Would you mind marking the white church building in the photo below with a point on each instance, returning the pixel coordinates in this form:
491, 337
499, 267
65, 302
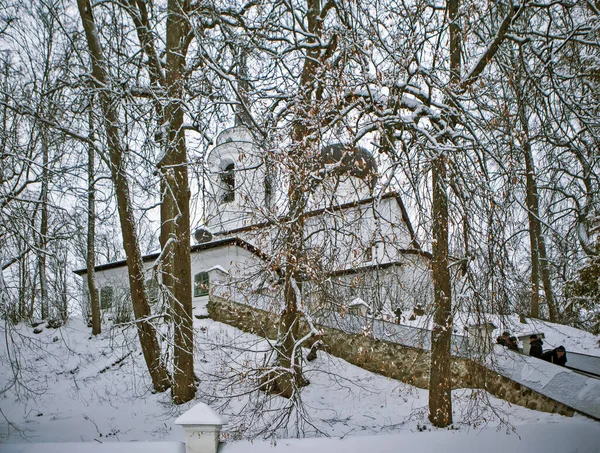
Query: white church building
363, 246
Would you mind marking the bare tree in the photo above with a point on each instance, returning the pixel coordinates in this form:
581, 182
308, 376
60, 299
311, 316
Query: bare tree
139, 296
91, 234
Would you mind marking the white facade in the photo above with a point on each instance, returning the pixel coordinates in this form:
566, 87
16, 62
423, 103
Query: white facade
363, 247
223, 261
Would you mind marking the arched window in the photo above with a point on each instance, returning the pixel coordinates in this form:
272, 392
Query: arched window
268, 191
201, 284
228, 179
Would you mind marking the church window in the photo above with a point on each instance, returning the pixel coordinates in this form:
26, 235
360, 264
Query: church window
228, 179
201, 284
152, 286
268, 192
368, 254
107, 295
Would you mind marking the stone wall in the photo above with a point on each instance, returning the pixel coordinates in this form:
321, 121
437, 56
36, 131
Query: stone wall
406, 364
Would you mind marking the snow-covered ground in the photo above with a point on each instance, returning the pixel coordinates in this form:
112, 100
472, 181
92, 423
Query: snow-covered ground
72, 387
574, 340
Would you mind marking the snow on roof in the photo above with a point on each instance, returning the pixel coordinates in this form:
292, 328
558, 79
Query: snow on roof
358, 301
226, 242
218, 268
201, 415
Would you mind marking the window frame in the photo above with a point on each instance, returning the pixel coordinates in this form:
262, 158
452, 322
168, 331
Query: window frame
228, 180
201, 278
153, 290
107, 292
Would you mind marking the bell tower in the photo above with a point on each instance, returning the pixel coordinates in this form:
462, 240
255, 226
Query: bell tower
239, 187
236, 181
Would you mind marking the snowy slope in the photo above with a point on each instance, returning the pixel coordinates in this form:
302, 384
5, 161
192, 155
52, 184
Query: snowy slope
73, 387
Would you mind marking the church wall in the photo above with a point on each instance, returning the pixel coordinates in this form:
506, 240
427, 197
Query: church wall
231, 263
357, 236
239, 263
403, 286
339, 190
115, 295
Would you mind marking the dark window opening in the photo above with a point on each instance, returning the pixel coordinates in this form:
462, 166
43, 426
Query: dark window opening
152, 286
201, 284
268, 192
368, 255
228, 179
107, 295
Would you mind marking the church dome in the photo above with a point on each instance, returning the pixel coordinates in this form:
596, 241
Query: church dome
339, 159
202, 235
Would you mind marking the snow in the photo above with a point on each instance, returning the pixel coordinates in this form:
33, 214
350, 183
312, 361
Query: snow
80, 388
578, 391
218, 268
94, 447
558, 438
532, 439
200, 414
588, 363
574, 340
358, 302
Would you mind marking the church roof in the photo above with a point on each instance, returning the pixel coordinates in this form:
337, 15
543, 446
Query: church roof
194, 248
339, 159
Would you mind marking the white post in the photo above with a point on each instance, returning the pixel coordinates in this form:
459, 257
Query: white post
202, 427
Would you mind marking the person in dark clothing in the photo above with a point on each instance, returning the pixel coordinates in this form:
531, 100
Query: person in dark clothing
535, 348
398, 313
503, 339
557, 356
506, 340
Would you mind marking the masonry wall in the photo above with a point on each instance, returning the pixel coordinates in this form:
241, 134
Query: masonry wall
406, 364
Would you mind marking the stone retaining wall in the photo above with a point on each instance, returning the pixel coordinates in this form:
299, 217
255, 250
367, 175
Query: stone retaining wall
404, 363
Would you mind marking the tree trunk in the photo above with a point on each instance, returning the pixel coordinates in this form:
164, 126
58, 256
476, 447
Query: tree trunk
289, 357
43, 243
531, 201
539, 261
175, 222
177, 198
23, 309
440, 385
108, 103
167, 231
61, 283
545, 271
91, 237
